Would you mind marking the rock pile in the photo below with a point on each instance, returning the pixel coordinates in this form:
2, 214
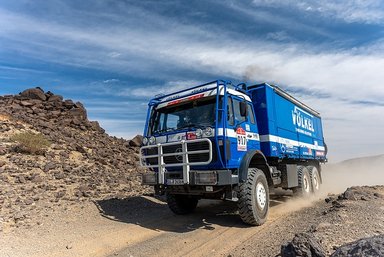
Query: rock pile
369, 247
47, 111
353, 214
82, 163
303, 244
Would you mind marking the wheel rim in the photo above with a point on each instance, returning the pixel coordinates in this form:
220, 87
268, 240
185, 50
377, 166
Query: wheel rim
306, 184
315, 178
261, 195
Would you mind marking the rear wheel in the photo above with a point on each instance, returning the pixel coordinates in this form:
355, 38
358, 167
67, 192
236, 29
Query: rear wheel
254, 198
305, 186
181, 204
315, 179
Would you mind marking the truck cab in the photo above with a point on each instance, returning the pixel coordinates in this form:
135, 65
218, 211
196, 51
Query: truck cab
204, 142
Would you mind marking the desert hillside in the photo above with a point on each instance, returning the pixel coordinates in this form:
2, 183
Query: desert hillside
51, 154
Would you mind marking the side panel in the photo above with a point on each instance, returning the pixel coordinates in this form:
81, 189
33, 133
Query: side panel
286, 129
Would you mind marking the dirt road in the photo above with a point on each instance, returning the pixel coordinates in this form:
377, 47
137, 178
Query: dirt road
215, 229
139, 226
144, 226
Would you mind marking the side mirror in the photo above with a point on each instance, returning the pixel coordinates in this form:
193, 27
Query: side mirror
243, 109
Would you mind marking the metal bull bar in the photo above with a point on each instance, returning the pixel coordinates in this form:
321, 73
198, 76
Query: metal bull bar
186, 163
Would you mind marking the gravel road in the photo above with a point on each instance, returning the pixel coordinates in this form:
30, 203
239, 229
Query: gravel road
143, 226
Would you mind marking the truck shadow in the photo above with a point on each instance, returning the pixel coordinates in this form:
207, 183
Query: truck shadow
153, 213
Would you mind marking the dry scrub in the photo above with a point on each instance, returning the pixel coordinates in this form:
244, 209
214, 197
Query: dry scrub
30, 143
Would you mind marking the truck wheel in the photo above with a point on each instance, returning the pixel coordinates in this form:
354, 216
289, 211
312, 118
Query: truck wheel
181, 204
254, 198
315, 179
305, 186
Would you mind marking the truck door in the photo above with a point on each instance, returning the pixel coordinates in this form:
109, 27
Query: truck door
241, 130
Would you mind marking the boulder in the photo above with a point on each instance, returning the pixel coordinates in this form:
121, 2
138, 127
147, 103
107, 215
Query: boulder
55, 98
34, 93
136, 141
303, 244
68, 104
78, 112
369, 247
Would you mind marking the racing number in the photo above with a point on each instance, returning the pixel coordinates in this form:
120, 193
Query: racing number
241, 139
241, 142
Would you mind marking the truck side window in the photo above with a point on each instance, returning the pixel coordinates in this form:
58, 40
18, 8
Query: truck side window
251, 115
236, 109
231, 120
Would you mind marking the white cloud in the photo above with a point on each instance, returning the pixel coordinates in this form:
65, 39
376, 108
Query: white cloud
347, 75
168, 87
279, 36
110, 81
122, 128
365, 11
114, 54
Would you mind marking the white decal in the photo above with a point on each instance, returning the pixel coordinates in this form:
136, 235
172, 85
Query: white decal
289, 142
303, 121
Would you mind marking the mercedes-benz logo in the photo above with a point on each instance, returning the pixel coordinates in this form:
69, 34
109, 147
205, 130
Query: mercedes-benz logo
179, 157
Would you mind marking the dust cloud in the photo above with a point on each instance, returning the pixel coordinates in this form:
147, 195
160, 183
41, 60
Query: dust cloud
367, 171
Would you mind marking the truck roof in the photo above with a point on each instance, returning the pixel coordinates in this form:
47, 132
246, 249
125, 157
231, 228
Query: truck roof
236, 90
207, 89
286, 95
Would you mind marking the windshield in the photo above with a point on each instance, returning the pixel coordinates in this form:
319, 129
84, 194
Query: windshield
192, 114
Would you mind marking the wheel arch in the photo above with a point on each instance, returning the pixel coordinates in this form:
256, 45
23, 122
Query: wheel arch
254, 159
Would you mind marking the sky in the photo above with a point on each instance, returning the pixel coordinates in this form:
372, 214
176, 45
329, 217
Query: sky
113, 56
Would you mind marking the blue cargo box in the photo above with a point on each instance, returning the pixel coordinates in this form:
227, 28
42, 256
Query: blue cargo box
287, 127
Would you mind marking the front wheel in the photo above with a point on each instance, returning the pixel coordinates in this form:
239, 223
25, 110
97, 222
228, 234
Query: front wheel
254, 198
181, 204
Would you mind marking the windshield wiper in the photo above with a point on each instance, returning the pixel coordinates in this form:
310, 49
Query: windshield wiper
192, 126
164, 130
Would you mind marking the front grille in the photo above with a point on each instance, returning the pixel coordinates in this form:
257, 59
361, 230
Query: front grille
173, 152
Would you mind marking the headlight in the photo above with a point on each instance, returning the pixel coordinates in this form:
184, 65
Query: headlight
152, 140
199, 132
145, 141
208, 132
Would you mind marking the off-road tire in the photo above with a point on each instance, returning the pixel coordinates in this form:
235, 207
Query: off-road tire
315, 179
305, 185
253, 198
181, 204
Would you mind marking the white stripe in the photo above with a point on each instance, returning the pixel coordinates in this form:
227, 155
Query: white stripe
286, 141
232, 133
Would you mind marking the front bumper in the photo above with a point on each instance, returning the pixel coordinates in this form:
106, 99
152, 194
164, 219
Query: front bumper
196, 177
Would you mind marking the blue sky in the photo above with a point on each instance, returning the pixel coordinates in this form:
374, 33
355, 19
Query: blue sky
114, 55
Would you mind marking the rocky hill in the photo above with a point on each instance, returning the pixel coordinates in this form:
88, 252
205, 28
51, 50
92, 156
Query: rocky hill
77, 162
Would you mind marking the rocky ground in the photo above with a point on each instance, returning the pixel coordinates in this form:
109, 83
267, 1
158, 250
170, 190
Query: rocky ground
357, 213
82, 162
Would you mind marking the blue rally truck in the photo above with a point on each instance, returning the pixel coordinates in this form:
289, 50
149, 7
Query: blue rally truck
220, 141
